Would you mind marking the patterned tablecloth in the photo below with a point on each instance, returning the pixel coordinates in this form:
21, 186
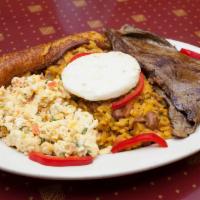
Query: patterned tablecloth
24, 23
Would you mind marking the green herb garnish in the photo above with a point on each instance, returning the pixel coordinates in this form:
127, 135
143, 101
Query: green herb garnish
42, 140
62, 154
84, 131
53, 119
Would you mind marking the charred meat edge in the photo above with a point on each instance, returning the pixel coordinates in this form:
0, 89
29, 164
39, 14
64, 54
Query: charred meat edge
176, 75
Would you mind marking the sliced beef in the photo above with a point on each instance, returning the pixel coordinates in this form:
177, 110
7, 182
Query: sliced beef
177, 75
151, 120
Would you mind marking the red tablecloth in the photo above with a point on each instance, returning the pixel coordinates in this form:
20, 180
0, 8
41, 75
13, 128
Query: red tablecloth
26, 23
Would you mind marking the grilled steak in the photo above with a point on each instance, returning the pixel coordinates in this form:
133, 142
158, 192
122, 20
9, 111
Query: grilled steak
175, 76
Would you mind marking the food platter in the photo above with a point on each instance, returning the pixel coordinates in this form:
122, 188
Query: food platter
110, 165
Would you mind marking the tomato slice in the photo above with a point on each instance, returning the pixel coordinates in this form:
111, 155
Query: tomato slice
130, 96
52, 84
143, 137
191, 54
59, 161
78, 55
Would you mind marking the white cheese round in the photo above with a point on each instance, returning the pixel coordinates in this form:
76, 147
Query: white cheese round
101, 76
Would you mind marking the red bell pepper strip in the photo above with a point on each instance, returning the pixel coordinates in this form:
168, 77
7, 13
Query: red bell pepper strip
52, 84
129, 97
59, 161
79, 55
190, 53
143, 137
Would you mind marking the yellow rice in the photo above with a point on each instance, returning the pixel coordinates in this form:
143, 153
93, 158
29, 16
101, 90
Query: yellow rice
111, 130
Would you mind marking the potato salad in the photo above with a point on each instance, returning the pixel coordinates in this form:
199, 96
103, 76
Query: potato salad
36, 115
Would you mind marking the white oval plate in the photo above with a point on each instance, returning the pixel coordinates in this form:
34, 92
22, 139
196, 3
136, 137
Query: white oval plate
109, 165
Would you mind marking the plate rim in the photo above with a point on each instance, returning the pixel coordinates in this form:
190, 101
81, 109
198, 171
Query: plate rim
178, 45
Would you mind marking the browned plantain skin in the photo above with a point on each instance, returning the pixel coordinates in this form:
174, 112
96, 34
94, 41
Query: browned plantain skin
37, 58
